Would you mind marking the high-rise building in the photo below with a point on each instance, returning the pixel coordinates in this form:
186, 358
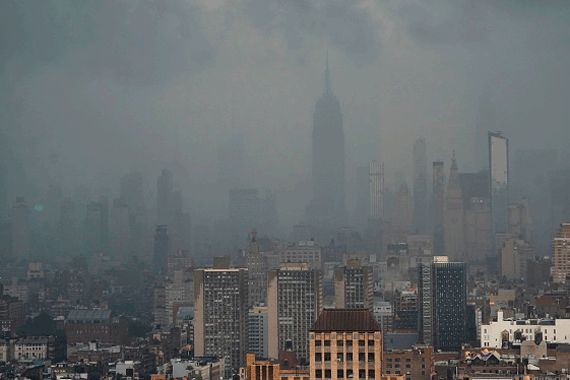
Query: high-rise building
119, 231
244, 209
514, 255
161, 248
345, 344
220, 314
257, 327
96, 227
438, 207
327, 209
376, 181
164, 197
405, 310
561, 254
420, 186
442, 301
354, 286
453, 214
404, 209
20, 229
294, 300
499, 180
257, 272
302, 252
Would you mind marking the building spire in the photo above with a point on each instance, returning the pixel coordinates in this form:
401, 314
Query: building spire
327, 75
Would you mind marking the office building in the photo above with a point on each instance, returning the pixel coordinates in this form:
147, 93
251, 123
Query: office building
294, 300
499, 180
302, 252
453, 214
438, 183
344, 344
353, 284
420, 186
327, 209
376, 180
561, 254
161, 248
257, 326
442, 300
414, 363
220, 314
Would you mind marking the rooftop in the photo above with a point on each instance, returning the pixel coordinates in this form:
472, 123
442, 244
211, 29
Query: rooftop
360, 320
88, 315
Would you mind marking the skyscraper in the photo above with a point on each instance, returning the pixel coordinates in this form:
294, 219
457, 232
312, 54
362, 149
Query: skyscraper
442, 299
420, 186
353, 286
257, 272
454, 236
376, 180
561, 254
499, 180
327, 208
438, 202
220, 314
294, 300
161, 248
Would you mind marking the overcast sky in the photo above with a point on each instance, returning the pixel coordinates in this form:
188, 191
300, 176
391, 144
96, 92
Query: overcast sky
92, 89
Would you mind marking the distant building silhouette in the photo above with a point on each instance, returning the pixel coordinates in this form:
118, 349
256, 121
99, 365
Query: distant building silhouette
420, 186
327, 209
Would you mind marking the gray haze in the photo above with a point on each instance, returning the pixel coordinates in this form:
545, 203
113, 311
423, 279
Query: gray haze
90, 90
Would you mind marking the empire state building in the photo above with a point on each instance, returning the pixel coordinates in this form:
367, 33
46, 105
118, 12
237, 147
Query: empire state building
327, 211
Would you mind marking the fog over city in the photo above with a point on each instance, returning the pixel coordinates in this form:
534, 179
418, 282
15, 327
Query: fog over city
284, 189
94, 89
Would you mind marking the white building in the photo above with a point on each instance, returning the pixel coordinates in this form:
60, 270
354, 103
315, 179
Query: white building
302, 252
31, 348
496, 333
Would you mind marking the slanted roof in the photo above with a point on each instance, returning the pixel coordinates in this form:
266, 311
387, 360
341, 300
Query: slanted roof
357, 320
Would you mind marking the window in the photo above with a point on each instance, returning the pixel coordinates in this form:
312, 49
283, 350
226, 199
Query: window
370, 343
361, 343
361, 356
318, 357
349, 356
370, 356
362, 374
371, 374
317, 343
327, 343
327, 356
340, 343
327, 373
339, 357
339, 373
349, 343
318, 373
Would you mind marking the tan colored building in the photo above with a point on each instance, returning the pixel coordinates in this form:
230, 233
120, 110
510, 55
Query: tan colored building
345, 343
269, 370
514, 255
412, 364
561, 254
453, 216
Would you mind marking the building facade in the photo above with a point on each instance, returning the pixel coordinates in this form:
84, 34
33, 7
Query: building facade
345, 343
561, 254
354, 286
294, 300
442, 295
220, 314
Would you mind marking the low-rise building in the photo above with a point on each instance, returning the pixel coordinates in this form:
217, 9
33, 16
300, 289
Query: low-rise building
413, 364
509, 331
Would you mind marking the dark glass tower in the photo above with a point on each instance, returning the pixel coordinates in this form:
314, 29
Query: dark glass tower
327, 208
442, 302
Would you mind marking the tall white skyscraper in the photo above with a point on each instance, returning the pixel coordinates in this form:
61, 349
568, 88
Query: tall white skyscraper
376, 179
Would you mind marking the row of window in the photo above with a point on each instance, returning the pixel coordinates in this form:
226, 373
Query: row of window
342, 375
340, 343
340, 357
